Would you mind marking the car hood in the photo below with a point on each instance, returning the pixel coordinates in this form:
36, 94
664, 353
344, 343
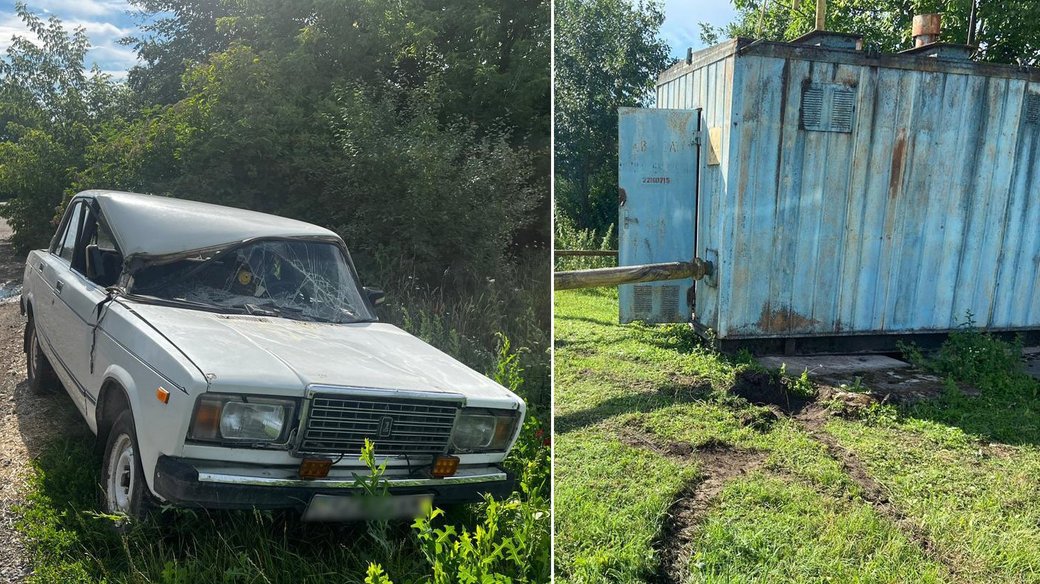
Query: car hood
278, 356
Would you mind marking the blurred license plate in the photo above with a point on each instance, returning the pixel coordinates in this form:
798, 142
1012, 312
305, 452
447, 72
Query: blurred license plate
363, 508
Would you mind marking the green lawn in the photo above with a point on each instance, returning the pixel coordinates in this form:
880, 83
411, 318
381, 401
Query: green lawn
635, 405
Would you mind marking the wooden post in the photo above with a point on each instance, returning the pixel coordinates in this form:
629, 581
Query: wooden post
696, 269
821, 14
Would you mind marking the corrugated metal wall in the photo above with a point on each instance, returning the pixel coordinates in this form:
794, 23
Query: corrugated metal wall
709, 88
927, 209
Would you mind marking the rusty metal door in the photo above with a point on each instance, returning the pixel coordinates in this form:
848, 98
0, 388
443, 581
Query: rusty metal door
657, 178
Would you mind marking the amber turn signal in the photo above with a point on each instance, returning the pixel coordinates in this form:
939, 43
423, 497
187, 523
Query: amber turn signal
163, 395
315, 468
445, 466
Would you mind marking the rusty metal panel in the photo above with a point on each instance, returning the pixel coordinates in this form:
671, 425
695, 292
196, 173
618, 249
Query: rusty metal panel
657, 171
709, 88
916, 204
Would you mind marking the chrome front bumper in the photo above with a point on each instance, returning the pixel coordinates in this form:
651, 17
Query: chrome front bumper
181, 482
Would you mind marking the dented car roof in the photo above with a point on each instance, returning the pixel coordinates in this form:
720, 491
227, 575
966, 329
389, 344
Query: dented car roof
152, 225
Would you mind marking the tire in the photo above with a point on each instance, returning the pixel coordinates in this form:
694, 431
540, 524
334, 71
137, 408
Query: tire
123, 487
42, 378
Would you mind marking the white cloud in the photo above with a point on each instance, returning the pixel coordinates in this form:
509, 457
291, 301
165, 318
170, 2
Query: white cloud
100, 20
97, 30
113, 55
77, 7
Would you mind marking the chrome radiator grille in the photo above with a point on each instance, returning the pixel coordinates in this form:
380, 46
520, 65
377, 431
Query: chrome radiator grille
340, 424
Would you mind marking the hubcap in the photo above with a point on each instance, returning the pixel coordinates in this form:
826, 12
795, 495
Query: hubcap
121, 475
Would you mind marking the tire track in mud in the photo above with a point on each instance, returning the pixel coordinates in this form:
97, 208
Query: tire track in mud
812, 420
718, 463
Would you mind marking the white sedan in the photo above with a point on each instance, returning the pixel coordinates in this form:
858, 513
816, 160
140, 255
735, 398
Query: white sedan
230, 359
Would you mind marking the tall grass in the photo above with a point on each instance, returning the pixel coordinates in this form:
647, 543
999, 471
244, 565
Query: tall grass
567, 236
468, 321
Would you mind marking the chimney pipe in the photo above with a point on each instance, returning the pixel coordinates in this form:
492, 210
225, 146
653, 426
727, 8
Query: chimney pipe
821, 14
926, 29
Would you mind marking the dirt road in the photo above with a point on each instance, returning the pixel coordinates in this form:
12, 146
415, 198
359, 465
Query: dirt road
27, 420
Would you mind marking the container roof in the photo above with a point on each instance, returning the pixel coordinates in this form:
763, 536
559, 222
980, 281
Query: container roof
151, 225
825, 46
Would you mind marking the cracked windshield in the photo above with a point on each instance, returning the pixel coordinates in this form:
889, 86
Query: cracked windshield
305, 280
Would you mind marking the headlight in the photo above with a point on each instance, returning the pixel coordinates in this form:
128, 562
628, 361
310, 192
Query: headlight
479, 430
238, 418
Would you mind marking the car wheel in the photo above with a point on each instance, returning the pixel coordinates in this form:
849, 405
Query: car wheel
42, 378
124, 491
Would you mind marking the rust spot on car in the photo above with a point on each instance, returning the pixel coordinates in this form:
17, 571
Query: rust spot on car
782, 319
898, 162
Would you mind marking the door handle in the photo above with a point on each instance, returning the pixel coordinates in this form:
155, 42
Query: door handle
58, 286
41, 266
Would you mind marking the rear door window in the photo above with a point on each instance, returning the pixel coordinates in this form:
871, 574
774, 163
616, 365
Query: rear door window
67, 244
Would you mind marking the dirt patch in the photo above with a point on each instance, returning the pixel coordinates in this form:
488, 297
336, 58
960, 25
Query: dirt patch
30, 421
900, 386
718, 463
812, 419
765, 389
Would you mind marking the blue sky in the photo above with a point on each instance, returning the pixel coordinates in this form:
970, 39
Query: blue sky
105, 22
680, 28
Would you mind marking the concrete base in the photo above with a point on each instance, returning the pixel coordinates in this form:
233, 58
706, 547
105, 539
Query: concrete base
1031, 355
832, 364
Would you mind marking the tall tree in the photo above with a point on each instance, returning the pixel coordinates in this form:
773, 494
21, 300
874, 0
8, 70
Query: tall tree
608, 54
51, 108
1008, 31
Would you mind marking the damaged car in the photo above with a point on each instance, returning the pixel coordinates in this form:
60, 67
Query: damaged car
227, 358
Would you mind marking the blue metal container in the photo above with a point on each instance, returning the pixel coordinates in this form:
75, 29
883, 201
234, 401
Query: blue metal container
844, 193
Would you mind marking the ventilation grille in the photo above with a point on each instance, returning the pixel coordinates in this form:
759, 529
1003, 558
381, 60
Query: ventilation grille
658, 303
337, 424
1032, 108
644, 301
828, 107
670, 301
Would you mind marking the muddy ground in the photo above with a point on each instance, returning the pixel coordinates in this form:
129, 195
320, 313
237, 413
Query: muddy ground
27, 421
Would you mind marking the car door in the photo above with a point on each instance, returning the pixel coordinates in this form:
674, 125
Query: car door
81, 298
55, 321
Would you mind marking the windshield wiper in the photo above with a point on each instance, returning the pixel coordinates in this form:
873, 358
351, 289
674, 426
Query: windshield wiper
191, 303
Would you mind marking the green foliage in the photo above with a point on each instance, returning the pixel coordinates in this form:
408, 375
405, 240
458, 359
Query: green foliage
1006, 33
567, 236
510, 545
376, 575
50, 110
800, 386
608, 55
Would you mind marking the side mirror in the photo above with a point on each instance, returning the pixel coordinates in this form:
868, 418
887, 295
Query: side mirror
95, 263
376, 296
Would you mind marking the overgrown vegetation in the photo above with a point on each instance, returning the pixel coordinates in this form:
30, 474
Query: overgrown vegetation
647, 416
1005, 33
